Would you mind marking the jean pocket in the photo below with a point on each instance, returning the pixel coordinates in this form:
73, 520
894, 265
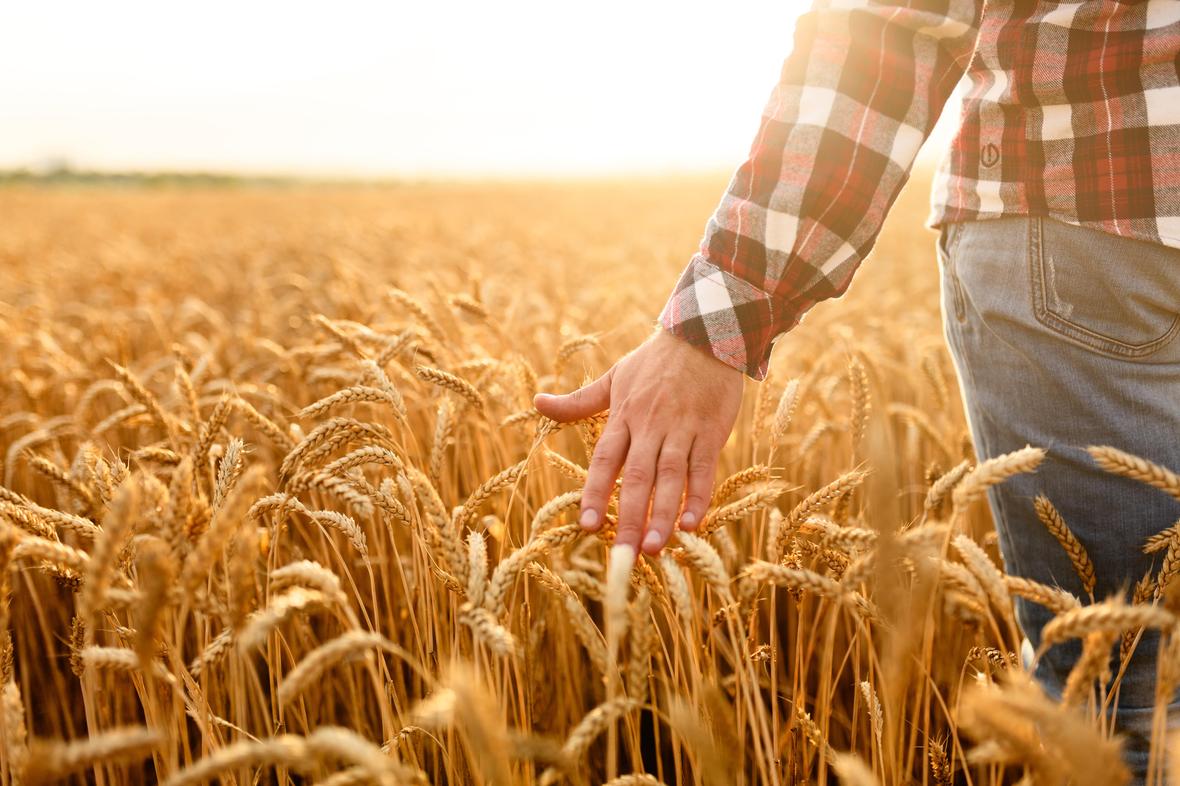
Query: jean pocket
1116, 296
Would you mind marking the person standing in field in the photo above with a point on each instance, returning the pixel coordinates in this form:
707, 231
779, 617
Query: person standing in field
1058, 206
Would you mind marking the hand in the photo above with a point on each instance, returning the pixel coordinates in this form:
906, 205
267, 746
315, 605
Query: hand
672, 408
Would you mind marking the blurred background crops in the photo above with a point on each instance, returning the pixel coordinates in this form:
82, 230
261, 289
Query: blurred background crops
275, 507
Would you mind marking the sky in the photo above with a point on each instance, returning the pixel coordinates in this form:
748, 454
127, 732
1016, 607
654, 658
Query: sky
415, 88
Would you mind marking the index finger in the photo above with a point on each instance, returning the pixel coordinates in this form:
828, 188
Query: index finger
608, 456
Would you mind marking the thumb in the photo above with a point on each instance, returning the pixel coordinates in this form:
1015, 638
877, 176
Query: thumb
581, 403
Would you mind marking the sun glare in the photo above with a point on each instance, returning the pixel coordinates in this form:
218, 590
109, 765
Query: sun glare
525, 87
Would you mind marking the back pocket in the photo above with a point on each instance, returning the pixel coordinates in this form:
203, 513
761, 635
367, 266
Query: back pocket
1114, 295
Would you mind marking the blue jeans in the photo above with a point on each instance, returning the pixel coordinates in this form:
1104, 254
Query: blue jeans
1065, 337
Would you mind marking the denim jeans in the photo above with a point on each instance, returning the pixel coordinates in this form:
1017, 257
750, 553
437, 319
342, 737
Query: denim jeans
1065, 337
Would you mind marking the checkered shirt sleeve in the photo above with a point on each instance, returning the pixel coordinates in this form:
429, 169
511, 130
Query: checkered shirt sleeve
858, 95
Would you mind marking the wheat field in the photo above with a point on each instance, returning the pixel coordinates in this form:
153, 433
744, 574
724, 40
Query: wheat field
276, 508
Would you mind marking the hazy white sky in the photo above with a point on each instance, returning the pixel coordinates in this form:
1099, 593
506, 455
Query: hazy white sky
408, 87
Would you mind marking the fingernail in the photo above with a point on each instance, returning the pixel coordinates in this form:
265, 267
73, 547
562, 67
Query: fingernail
688, 520
652, 540
589, 518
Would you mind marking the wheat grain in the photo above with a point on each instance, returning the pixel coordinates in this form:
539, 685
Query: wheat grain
814, 502
59, 476
876, 716
940, 765
1094, 664
1135, 467
415, 307
52, 760
980, 564
280, 608
995, 470
15, 737
498, 638
149, 401
101, 567
52, 552
594, 723
1053, 598
735, 511
551, 510
944, 485
1109, 616
859, 384
477, 567
325, 657
707, 562
448, 381
357, 394
269, 429
784, 413
481, 495
1061, 532
635, 779
229, 470
757, 473
327, 437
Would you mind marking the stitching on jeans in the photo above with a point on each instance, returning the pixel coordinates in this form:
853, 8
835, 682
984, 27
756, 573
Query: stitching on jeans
953, 233
1091, 339
981, 438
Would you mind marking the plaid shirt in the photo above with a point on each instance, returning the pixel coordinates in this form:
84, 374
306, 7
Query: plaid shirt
1072, 111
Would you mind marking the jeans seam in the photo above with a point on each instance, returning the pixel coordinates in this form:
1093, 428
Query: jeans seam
954, 234
981, 441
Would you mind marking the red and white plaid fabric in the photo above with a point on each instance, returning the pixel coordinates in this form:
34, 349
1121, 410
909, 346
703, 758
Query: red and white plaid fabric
1072, 111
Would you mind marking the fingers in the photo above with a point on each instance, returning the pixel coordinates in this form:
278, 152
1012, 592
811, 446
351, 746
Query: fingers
702, 468
608, 457
635, 494
671, 468
581, 403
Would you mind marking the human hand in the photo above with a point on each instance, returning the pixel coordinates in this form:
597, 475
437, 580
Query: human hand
672, 407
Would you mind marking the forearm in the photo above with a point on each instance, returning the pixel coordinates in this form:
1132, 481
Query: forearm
860, 92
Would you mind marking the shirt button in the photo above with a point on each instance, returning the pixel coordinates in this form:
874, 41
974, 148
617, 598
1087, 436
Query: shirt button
989, 155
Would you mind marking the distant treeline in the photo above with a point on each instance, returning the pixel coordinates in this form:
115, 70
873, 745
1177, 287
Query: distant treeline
69, 176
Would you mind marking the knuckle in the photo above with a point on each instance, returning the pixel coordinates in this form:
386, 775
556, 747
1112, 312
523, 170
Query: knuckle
601, 457
636, 475
597, 485
592, 493
664, 504
661, 517
605, 452
669, 470
629, 531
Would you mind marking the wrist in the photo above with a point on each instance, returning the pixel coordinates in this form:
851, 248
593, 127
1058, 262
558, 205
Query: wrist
696, 356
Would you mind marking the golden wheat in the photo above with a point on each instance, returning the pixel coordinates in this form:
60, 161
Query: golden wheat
274, 490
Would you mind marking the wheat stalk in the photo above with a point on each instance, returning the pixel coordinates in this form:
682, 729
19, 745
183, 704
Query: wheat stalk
326, 656
51, 760
448, 381
1109, 616
1128, 465
995, 470
1057, 527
